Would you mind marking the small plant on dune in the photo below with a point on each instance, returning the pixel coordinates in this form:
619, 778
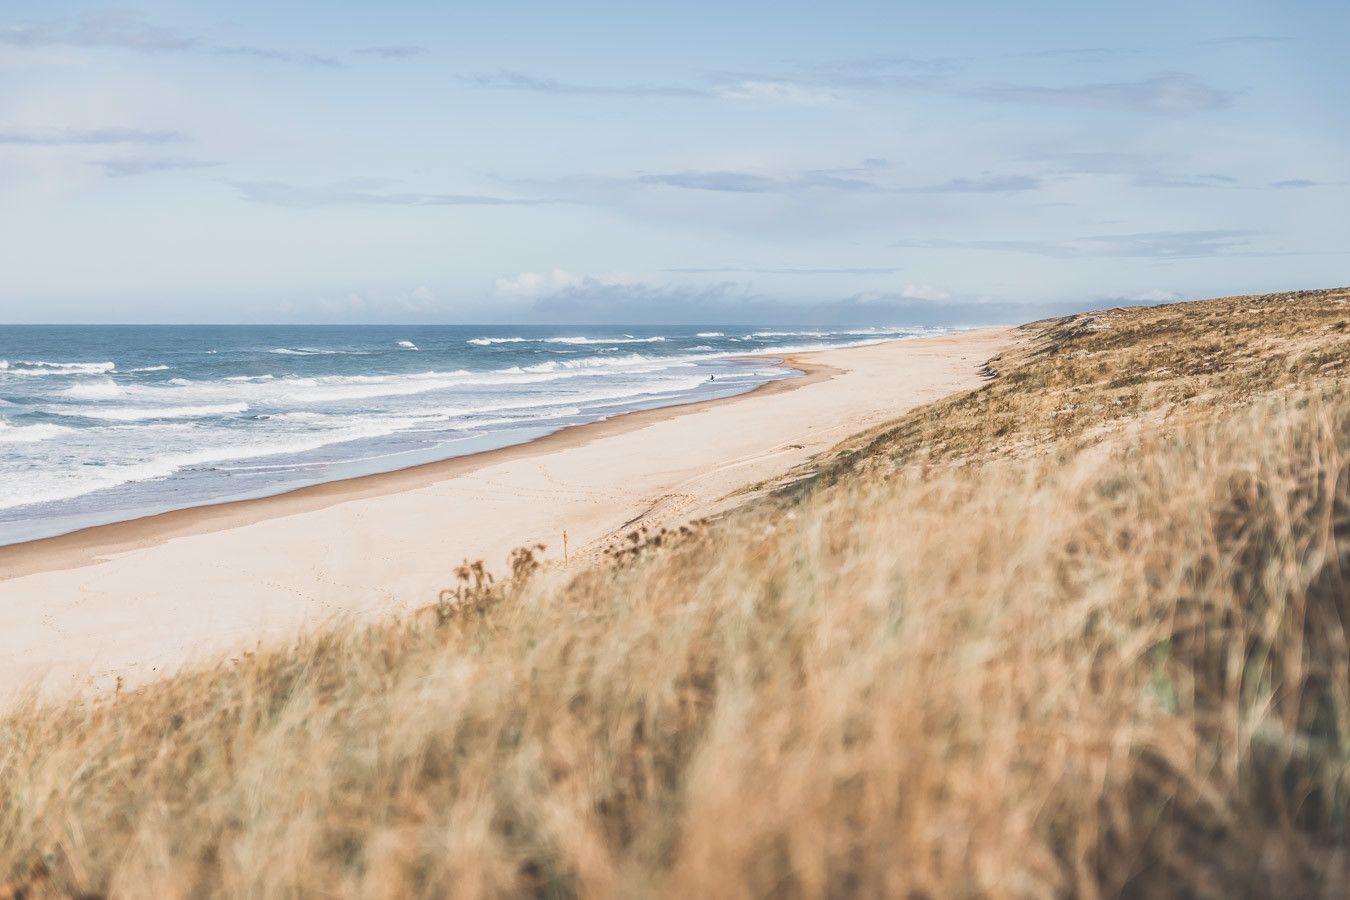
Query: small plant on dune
476, 591
471, 595
641, 542
524, 562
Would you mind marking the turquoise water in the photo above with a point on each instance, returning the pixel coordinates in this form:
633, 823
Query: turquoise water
106, 423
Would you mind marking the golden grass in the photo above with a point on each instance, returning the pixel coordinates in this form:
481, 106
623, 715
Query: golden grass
1080, 633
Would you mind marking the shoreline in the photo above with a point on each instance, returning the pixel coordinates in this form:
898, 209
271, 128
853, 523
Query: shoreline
85, 546
130, 602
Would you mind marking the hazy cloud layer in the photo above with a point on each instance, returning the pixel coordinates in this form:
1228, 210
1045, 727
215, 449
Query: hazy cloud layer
983, 184
518, 81
1164, 94
128, 31
751, 183
734, 303
107, 29
732, 270
1155, 245
883, 71
1140, 170
1300, 183
826, 82
866, 180
1169, 94
1203, 180
265, 53
90, 137
124, 168
397, 51
358, 193
814, 84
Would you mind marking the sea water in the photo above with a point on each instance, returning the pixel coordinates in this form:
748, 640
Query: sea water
106, 423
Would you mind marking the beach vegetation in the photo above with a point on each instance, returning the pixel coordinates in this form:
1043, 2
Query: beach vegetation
1080, 632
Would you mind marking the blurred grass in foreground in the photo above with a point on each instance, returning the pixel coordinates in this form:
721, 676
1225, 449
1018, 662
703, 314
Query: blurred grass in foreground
1079, 633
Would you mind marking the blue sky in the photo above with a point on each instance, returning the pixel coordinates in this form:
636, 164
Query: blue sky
710, 162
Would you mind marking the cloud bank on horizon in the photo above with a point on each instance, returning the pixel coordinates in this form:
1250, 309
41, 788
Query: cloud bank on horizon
599, 162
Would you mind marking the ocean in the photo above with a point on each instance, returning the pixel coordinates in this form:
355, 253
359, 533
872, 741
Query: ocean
107, 423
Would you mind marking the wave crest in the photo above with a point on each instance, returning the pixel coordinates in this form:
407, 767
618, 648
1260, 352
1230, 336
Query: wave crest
41, 367
140, 414
30, 434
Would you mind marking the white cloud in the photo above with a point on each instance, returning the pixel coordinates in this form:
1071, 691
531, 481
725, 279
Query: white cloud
419, 298
1156, 296
350, 304
924, 292
531, 285
777, 91
536, 284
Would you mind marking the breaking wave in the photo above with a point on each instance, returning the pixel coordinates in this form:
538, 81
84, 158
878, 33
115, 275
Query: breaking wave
139, 414
38, 367
30, 434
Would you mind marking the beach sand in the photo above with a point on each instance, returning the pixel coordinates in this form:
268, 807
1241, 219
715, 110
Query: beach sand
137, 600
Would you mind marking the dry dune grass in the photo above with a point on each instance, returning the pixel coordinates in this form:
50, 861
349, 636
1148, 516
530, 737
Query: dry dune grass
1081, 378
996, 649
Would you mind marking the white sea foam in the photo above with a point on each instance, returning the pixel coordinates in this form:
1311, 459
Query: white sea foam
543, 405
306, 391
39, 367
317, 351
103, 389
596, 362
30, 434
628, 364
151, 369
303, 417
234, 393
138, 414
579, 340
708, 334
53, 485
626, 339
555, 412
49, 486
407, 345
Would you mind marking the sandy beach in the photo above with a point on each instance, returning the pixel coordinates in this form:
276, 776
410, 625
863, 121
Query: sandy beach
139, 599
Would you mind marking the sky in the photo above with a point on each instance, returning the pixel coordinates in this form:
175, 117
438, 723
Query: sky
663, 163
